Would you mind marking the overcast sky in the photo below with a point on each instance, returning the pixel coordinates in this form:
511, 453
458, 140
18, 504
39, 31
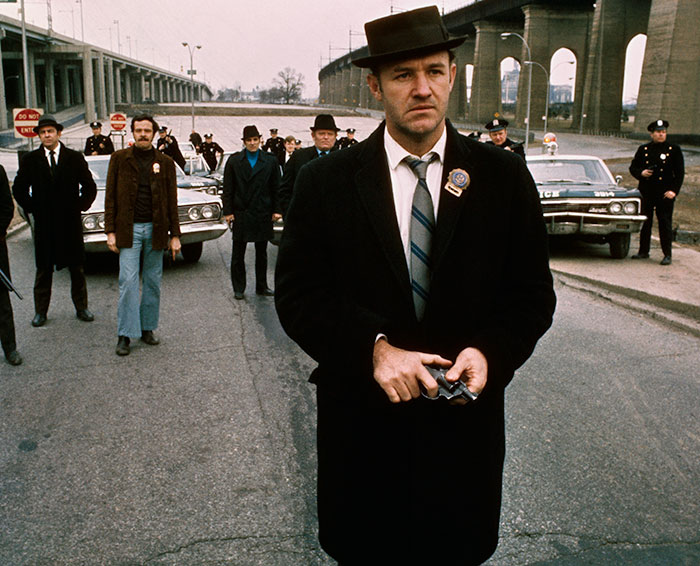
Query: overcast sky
243, 43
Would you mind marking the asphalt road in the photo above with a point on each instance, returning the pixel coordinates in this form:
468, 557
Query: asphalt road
201, 450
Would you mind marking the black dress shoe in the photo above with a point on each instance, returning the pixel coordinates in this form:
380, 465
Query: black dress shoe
39, 320
666, 260
13, 358
640, 256
265, 292
238, 296
85, 315
149, 338
123, 346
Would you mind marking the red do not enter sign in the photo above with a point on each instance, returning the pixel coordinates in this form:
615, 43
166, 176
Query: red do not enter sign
26, 119
117, 121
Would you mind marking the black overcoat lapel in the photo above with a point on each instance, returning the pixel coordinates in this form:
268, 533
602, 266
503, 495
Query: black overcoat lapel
374, 189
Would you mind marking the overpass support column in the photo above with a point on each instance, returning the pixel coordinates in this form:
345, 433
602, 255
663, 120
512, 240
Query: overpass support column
457, 109
88, 86
110, 86
4, 122
486, 83
65, 86
101, 85
128, 98
50, 84
671, 74
345, 80
117, 83
355, 85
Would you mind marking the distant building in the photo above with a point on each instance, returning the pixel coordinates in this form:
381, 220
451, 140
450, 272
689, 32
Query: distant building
509, 86
560, 94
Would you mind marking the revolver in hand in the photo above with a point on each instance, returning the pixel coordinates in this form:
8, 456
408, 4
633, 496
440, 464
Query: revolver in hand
448, 390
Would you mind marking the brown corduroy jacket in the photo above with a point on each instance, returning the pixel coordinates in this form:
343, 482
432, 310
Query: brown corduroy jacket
120, 198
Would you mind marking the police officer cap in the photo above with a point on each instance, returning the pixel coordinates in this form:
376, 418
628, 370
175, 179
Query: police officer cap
95, 125
163, 129
208, 135
657, 125
496, 125
350, 131
273, 130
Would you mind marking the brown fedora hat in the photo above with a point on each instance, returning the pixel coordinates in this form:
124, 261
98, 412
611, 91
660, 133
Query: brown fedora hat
403, 35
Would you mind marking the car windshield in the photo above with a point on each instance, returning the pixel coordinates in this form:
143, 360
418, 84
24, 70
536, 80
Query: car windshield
98, 168
574, 171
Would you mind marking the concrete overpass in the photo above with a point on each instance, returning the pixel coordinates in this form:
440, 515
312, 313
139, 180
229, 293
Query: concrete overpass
597, 33
65, 73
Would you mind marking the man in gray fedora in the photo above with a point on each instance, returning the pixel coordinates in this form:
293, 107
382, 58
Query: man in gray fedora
396, 263
54, 185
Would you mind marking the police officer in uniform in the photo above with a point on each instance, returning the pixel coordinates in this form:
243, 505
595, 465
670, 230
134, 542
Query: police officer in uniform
168, 145
499, 137
660, 170
211, 151
274, 144
347, 140
97, 144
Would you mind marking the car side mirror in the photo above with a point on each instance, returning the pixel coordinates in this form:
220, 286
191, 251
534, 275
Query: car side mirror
618, 179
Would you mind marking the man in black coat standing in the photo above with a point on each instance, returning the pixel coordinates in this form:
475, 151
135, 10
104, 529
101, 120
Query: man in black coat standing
416, 247
324, 133
251, 205
61, 187
660, 169
7, 323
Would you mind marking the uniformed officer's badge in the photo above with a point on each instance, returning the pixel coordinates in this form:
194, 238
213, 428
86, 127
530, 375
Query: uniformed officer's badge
663, 156
156, 168
457, 181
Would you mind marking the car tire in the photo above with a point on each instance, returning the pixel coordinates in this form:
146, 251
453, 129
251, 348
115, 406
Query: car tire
619, 245
192, 252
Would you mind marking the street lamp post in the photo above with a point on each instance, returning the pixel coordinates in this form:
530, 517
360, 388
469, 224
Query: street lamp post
505, 35
119, 41
546, 102
191, 49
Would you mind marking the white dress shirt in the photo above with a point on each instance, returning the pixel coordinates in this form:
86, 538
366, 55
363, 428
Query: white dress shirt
56, 151
404, 180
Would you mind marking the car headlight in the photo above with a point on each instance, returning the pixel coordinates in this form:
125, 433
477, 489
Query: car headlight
615, 208
101, 221
207, 212
212, 190
630, 208
194, 213
90, 222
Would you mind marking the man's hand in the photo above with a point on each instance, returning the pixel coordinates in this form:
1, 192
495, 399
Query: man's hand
647, 173
472, 368
229, 218
276, 216
401, 372
669, 195
175, 246
112, 242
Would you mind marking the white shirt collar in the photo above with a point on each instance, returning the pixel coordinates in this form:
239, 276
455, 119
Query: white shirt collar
396, 153
56, 151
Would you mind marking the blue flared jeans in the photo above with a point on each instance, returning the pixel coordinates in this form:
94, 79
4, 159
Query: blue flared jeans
135, 314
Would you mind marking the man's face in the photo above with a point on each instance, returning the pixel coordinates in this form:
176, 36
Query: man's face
324, 139
658, 136
415, 93
143, 134
96, 131
351, 135
49, 136
252, 144
499, 137
273, 135
289, 146
162, 134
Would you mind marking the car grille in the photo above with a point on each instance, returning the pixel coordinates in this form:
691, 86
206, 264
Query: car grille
194, 213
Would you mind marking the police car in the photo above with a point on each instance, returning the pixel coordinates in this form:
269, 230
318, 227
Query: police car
581, 199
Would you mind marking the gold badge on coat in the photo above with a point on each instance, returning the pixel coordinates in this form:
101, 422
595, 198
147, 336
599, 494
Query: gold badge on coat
156, 168
457, 181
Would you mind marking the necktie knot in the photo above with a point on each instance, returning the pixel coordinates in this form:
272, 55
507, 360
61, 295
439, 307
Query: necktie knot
419, 166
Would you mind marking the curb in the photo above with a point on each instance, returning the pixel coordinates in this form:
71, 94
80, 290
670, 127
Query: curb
683, 316
17, 228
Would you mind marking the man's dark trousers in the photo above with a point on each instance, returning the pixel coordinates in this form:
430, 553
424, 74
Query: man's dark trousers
42, 288
664, 215
238, 277
7, 324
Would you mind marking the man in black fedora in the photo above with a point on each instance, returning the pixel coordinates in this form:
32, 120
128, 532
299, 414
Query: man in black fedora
54, 185
251, 205
97, 144
393, 259
324, 132
498, 132
659, 167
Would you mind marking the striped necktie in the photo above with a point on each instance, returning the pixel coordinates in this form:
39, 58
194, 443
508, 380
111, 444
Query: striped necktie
422, 229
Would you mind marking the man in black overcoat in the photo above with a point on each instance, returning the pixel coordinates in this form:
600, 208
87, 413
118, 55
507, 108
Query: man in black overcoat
375, 281
659, 167
251, 205
61, 187
7, 323
324, 133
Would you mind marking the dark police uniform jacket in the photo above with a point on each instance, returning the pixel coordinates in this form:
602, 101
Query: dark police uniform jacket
666, 160
56, 203
101, 144
342, 279
345, 142
171, 149
275, 146
209, 151
516, 147
251, 195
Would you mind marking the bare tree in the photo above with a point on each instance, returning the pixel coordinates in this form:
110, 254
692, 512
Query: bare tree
290, 84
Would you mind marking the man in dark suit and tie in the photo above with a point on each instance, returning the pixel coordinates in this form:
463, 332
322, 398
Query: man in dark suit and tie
416, 247
61, 187
324, 133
